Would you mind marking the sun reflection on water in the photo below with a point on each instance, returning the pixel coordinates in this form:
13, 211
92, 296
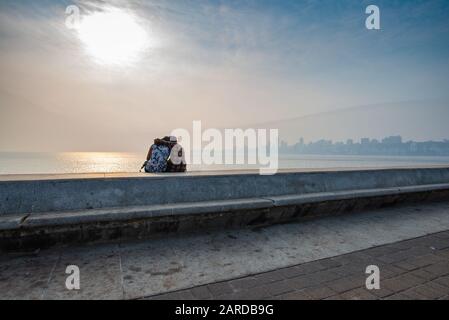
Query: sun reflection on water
104, 162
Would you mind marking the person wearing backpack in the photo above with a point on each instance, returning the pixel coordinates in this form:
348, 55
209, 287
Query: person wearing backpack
157, 156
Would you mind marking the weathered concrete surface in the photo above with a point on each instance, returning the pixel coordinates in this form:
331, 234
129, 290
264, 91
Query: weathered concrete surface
140, 269
415, 269
123, 208
46, 230
34, 196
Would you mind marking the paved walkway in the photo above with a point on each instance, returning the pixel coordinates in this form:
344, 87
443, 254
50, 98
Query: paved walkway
153, 267
411, 269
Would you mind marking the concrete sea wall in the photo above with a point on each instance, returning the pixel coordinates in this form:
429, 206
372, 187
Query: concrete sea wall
45, 211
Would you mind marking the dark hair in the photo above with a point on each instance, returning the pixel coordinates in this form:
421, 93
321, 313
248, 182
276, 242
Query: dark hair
162, 141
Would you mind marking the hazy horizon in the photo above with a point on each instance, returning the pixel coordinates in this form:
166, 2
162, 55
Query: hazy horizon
135, 70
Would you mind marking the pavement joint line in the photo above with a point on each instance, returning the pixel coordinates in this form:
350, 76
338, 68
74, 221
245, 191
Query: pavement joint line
121, 269
52, 271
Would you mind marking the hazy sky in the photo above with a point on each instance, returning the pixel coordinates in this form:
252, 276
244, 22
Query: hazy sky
136, 69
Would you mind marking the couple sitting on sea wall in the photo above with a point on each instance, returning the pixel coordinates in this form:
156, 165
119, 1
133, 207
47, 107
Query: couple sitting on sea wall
165, 155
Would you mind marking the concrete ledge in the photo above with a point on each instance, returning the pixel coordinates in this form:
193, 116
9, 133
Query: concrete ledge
45, 230
52, 219
354, 194
44, 195
128, 213
98, 210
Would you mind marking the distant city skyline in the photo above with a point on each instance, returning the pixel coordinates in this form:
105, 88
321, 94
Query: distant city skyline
391, 145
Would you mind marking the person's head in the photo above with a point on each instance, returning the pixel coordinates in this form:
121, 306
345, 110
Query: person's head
170, 140
173, 140
162, 142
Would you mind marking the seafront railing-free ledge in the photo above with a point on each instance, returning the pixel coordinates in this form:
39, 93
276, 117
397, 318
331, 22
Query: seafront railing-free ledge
41, 211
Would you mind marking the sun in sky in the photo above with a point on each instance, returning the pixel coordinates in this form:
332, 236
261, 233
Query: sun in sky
113, 37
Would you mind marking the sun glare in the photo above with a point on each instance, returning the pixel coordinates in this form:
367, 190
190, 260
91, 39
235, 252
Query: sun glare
113, 37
